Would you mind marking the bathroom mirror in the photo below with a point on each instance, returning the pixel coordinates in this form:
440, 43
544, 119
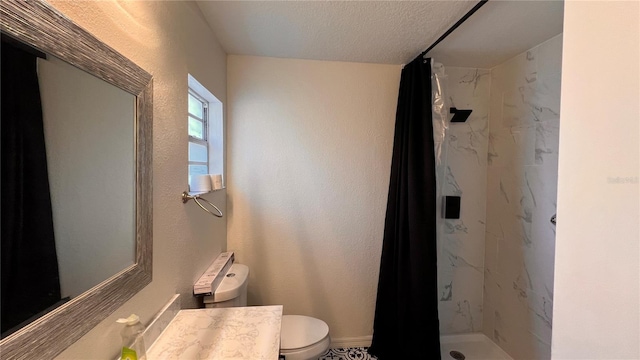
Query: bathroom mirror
73, 52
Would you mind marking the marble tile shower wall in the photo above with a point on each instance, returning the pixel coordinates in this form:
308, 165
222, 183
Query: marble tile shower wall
463, 173
521, 198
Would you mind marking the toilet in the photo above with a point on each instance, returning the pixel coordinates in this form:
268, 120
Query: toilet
301, 337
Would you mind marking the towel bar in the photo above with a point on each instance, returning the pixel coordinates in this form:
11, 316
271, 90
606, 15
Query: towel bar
186, 197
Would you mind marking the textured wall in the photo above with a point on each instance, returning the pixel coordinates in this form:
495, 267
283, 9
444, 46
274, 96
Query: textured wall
597, 277
164, 38
521, 198
309, 159
463, 173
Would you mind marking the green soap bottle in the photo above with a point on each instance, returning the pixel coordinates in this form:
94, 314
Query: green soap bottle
132, 342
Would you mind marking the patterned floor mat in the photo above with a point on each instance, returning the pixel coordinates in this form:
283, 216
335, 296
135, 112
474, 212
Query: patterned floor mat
357, 353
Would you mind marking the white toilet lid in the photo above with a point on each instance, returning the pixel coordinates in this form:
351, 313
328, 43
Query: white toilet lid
299, 331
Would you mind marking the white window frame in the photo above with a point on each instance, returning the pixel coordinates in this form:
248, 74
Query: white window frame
214, 132
205, 128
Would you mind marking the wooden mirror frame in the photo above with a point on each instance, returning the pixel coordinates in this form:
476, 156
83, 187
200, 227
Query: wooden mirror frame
40, 25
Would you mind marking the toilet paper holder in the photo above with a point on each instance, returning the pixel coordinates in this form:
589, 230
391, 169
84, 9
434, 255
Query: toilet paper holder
196, 198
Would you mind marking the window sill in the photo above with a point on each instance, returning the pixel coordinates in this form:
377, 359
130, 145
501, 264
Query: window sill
194, 193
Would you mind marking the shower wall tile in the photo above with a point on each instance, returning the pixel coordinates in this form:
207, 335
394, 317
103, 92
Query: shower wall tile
550, 60
496, 200
464, 168
522, 161
512, 146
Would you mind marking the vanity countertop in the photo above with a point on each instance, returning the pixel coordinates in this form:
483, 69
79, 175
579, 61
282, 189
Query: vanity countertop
237, 333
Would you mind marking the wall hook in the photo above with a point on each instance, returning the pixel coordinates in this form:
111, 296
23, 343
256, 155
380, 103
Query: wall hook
459, 115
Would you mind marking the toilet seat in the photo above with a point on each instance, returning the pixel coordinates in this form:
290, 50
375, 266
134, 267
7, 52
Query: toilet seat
303, 337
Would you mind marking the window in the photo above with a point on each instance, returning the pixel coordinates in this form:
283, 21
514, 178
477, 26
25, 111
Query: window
205, 129
198, 125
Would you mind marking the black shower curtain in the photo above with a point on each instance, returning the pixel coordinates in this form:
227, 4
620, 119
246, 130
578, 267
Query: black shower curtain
30, 280
406, 324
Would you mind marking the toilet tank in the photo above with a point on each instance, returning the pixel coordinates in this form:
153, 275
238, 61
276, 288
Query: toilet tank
232, 290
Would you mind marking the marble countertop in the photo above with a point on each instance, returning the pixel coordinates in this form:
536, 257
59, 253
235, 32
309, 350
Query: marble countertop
251, 333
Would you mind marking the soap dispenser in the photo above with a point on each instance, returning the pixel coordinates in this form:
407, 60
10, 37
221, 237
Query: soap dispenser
132, 342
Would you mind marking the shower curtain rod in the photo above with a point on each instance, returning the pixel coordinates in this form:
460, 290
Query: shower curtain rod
455, 26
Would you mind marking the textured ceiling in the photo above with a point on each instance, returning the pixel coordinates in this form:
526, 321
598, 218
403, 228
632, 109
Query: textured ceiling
388, 32
498, 31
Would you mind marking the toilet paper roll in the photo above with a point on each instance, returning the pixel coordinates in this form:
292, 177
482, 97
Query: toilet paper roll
216, 181
200, 183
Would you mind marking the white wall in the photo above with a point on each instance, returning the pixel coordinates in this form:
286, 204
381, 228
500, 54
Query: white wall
597, 268
89, 136
309, 161
166, 39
